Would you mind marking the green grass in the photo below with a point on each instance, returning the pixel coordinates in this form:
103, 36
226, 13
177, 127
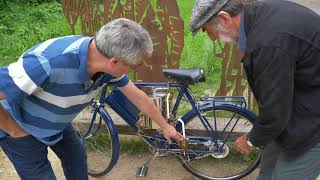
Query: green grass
23, 25
198, 52
133, 145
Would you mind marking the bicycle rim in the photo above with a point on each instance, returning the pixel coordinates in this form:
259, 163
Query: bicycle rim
98, 143
227, 163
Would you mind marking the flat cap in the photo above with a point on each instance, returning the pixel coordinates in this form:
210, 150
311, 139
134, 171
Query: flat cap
202, 11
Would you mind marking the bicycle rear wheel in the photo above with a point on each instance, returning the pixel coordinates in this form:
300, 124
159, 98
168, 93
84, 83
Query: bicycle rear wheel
226, 163
100, 144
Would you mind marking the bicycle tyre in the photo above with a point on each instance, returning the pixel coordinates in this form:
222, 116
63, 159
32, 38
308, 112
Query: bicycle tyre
221, 175
101, 144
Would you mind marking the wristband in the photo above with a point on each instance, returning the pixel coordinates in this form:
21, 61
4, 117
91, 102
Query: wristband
249, 142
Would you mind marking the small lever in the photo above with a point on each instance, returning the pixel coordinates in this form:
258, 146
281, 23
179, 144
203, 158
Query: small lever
183, 130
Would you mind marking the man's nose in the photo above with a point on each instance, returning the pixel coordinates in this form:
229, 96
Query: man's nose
212, 36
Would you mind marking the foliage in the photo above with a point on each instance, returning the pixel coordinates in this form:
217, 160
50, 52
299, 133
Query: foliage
26, 2
133, 145
22, 25
198, 52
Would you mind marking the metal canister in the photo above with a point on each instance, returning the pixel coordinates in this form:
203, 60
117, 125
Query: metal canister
160, 97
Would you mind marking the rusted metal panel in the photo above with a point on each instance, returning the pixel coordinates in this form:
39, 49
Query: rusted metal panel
71, 10
233, 78
163, 22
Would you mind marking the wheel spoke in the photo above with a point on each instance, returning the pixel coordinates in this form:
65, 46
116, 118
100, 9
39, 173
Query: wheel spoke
219, 152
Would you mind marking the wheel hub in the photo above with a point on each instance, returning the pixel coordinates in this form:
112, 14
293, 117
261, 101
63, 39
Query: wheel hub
218, 151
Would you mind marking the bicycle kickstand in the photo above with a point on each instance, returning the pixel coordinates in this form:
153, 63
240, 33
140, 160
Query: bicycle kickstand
142, 171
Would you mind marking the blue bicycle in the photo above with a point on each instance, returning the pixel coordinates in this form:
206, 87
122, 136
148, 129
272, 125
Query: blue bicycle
210, 126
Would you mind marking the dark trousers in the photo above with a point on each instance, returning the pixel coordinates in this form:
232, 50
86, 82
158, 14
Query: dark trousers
275, 165
29, 156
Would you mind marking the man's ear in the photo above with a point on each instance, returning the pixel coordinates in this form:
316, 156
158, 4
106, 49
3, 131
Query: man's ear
114, 61
224, 18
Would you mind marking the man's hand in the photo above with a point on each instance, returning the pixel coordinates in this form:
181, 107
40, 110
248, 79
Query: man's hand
17, 131
144, 104
170, 132
8, 125
242, 146
11, 127
2, 96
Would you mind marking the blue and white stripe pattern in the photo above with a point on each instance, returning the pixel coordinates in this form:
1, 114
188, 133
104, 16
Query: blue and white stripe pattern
49, 85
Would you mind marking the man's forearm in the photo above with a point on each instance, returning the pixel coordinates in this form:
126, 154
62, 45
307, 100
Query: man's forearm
146, 105
3, 114
7, 124
2, 96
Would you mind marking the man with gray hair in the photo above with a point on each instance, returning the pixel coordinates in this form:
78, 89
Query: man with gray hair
52, 82
281, 45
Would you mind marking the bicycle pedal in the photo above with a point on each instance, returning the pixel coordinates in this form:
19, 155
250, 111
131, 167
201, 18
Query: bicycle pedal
142, 171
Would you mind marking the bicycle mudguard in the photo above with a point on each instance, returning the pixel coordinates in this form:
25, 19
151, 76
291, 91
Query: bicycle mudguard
191, 113
114, 138
123, 107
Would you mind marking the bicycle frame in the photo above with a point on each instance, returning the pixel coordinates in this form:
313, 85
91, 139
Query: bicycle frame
124, 108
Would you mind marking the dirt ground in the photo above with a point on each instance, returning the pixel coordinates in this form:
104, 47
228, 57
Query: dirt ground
168, 168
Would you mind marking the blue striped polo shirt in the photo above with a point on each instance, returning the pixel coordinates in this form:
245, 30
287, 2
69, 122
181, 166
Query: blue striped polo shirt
49, 85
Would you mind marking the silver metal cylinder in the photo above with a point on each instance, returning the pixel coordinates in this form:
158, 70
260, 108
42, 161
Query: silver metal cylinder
160, 97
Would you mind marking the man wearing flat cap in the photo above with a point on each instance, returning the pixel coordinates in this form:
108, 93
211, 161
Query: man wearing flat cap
281, 45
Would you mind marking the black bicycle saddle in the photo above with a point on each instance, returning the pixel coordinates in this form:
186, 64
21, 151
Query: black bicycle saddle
186, 76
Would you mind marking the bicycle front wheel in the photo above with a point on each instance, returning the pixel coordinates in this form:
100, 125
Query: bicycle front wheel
100, 144
215, 156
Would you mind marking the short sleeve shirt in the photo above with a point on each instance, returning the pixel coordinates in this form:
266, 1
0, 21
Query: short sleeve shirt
49, 85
